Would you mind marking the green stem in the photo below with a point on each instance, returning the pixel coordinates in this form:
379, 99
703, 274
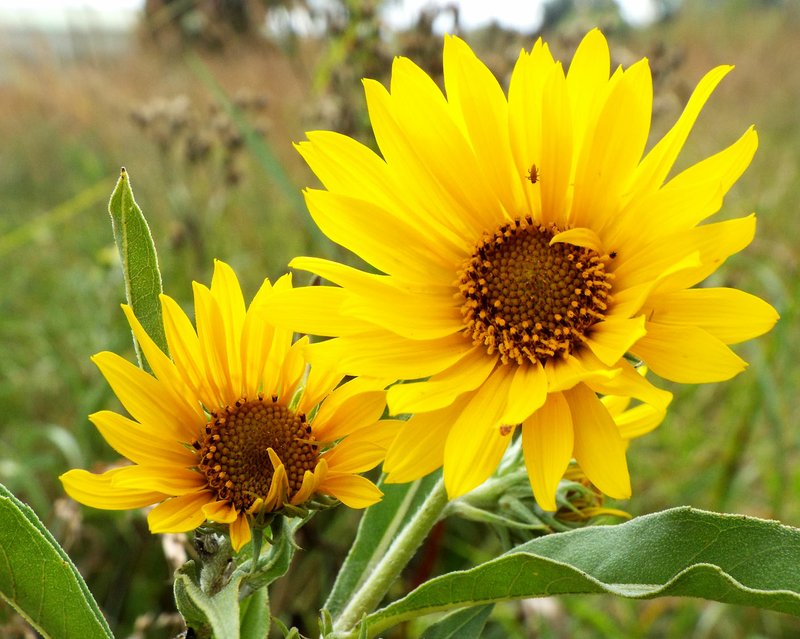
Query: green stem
400, 552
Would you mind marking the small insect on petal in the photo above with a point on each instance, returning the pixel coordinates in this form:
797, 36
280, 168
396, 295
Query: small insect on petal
533, 174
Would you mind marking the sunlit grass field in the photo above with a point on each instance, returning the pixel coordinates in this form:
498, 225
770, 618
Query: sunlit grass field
69, 125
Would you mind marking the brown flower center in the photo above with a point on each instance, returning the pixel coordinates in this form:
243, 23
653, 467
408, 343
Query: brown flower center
233, 453
529, 300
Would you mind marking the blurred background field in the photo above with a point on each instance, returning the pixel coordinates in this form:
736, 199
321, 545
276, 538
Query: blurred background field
202, 110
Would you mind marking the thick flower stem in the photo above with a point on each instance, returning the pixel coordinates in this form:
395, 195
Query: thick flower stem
375, 586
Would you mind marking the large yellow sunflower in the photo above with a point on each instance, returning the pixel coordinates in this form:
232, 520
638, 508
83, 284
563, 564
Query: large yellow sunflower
529, 251
230, 425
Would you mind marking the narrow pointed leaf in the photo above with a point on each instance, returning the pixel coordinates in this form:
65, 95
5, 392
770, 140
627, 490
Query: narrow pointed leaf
40, 581
137, 253
680, 552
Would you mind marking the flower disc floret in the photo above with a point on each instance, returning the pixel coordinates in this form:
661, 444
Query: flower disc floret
234, 454
529, 299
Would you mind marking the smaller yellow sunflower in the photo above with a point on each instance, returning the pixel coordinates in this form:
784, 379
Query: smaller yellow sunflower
231, 425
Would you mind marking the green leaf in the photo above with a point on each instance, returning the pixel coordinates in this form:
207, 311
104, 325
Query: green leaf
38, 579
377, 529
139, 261
275, 563
680, 552
208, 615
255, 615
461, 624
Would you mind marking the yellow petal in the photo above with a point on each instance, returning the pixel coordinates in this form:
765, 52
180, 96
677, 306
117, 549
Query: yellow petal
140, 444
612, 338
413, 314
284, 362
475, 443
639, 420
615, 404
526, 394
687, 199
321, 380
240, 533
179, 514
547, 447
381, 433
613, 148
400, 146
350, 407
356, 456
292, 368
184, 348
279, 488
598, 448
687, 354
97, 491
629, 382
587, 77
227, 293
442, 389
165, 370
525, 115
348, 167
149, 401
257, 337
418, 448
354, 491
713, 243
657, 163
398, 249
222, 512
314, 310
580, 237
311, 482
170, 480
557, 148
478, 101
400, 358
213, 337
565, 373
451, 164
729, 314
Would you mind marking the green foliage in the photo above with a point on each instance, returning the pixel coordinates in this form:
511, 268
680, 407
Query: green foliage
39, 580
461, 624
209, 615
139, 261
376, 531
255, 615
221, 599
680, 552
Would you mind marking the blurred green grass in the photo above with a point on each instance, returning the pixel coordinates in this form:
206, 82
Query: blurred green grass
67, 131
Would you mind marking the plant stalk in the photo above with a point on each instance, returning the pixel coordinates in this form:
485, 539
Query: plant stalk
400, 552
